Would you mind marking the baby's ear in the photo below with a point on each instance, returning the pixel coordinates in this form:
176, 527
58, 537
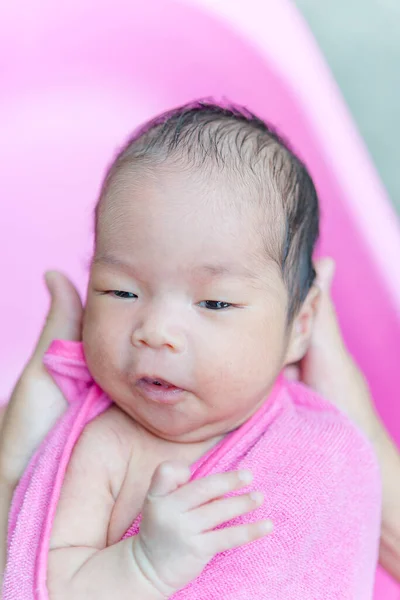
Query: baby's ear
302, 326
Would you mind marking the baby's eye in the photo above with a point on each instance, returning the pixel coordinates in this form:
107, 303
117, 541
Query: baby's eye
122, 294
214, 304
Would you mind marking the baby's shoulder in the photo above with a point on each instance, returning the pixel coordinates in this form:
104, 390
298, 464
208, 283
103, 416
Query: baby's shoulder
111, 437
112, 425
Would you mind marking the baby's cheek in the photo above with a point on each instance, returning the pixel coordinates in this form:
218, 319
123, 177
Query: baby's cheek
96, 354
100, 347
258, 353
231, 360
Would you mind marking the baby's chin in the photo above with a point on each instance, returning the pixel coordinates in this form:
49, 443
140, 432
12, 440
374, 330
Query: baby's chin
183, 424
176, 416
189, 421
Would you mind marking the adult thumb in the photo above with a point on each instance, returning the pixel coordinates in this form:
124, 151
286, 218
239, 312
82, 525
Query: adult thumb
64, 319
325, 268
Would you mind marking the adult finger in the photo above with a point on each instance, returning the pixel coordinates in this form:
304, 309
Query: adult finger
64, 319
325, 268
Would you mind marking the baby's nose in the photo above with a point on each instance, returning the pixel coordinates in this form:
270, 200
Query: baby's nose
157, 335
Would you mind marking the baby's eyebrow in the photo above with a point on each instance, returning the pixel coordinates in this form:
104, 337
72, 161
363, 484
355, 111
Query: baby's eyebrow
225, 270
108, 259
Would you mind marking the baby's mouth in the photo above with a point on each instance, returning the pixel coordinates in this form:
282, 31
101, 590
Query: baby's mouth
161, 383
160, 390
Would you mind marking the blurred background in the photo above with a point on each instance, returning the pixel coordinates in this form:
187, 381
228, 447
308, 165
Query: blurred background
361, 43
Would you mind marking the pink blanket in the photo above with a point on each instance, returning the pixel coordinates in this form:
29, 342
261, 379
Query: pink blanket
318, 474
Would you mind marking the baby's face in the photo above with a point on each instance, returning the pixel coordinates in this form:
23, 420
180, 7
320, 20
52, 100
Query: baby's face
181, 291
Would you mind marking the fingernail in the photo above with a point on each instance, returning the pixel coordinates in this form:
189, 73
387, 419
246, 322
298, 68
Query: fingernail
266, 526
49, 278
245, 476
257, 497
328, 272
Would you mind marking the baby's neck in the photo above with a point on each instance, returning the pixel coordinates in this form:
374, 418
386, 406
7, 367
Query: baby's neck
188, 452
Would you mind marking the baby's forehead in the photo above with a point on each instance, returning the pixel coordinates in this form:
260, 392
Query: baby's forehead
211, 221
193, 188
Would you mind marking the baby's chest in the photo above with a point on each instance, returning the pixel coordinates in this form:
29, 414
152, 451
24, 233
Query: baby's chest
131, 493
148, 452
107, 479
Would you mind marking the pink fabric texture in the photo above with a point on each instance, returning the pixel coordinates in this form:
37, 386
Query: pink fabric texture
319, 476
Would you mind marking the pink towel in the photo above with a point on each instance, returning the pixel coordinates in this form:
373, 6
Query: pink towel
319, 476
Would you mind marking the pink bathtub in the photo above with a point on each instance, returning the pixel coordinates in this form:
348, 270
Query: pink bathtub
77, 76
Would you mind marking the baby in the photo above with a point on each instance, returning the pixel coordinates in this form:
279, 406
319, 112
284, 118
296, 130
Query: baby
183, 444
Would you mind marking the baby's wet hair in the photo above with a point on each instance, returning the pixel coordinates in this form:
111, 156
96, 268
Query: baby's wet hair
230, 138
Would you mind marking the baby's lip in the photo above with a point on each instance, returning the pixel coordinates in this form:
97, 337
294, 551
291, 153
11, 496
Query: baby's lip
157, 389
158, 380
155, 379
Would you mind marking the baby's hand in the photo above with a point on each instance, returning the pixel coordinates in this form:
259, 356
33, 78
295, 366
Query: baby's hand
177, 537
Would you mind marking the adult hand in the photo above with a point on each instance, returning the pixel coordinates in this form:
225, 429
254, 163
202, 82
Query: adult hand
331, 371
36, 402
328, 367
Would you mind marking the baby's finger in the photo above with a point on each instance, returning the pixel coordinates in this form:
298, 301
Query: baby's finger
220, 511
232, 537
209, 488
167, 477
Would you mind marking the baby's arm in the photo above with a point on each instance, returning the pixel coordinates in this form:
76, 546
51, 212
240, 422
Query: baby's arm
81, 565
176, 539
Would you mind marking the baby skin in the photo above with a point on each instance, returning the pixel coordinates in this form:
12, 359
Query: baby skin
181, 294
189, 321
